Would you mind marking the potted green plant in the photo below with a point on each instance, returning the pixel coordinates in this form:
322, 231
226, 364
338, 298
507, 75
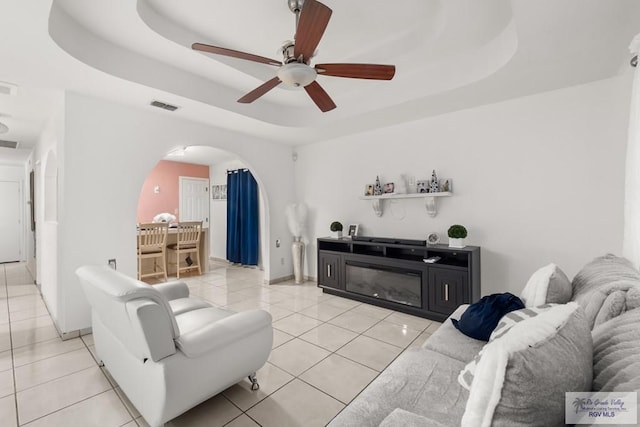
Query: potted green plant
457, 234
336, 229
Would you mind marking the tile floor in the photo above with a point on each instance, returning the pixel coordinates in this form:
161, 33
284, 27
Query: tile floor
326, 350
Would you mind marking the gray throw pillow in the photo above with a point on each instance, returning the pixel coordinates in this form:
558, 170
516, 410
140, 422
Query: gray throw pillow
507, 322
522, 377
616, 353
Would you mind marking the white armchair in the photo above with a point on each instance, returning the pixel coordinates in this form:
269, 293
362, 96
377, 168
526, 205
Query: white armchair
169, 352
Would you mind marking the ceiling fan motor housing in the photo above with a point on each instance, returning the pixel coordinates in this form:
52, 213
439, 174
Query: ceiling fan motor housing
287, 51
295, 5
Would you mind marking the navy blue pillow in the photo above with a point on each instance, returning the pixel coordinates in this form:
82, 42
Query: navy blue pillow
482, 317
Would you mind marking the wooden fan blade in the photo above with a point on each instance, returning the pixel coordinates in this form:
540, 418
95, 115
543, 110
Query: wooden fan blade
357, 71
320, 97
314, 18
234, 53
259, 91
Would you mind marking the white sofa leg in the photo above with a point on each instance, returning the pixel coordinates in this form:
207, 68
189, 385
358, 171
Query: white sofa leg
254, 382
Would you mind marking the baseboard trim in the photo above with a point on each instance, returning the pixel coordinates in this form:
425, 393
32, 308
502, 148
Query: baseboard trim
287, 278
278, 280
64, 336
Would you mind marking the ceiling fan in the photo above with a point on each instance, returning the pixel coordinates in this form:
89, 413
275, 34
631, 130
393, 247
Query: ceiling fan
312, 18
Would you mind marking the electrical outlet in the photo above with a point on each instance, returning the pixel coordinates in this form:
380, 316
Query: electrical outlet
112, 263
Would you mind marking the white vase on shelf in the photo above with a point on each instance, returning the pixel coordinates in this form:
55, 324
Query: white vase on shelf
456, 243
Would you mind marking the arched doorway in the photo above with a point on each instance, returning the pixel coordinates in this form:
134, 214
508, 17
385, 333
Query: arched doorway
160, 195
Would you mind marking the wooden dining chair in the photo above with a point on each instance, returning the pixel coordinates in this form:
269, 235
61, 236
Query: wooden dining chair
152, 244
187, 244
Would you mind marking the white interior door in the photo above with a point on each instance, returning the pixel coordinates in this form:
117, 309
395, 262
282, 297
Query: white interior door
10, 224
194, 200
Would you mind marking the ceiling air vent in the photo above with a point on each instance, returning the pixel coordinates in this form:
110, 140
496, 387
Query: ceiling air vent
164, 106
8, 88
8, 144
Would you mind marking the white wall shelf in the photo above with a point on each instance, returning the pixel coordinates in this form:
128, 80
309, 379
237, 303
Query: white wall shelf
429, 200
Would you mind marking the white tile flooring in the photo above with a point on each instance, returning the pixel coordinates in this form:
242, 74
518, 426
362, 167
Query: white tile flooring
326, 350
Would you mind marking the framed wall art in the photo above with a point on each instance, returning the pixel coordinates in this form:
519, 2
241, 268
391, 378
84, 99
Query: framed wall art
219, 192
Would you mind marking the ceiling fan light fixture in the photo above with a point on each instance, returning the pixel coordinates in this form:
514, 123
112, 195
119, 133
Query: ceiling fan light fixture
296, 74
3, 128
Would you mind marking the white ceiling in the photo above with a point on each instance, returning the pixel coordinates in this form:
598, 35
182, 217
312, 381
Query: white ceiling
449, 54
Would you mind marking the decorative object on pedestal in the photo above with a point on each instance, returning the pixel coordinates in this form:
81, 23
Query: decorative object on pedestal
336, 228
457, 234
296, 218
434, 187
368, 190
377, 188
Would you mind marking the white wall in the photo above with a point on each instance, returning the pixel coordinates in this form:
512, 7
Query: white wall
109, 149
48, 149
15, 173
631, 243
536, 180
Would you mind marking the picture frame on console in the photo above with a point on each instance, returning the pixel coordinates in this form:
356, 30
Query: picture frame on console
353, 230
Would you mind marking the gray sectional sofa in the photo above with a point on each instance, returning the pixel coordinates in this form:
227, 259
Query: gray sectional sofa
421, 387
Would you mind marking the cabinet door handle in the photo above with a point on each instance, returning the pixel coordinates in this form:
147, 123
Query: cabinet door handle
328, 270
446, 292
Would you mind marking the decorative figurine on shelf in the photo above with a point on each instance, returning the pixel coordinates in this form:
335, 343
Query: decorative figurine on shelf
446, 186
377, 188
434, 187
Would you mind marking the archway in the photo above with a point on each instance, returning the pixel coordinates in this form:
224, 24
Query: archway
160, 194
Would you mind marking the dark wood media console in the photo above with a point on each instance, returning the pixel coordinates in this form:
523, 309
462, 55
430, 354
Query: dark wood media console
392, 274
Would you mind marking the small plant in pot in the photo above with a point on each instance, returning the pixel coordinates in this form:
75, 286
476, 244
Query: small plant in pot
457, 234
336, 229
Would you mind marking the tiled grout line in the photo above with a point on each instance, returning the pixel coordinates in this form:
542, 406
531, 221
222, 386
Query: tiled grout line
65, 407
298, 377
54, 379
13, 368
294, 377
102, 368
358, 334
